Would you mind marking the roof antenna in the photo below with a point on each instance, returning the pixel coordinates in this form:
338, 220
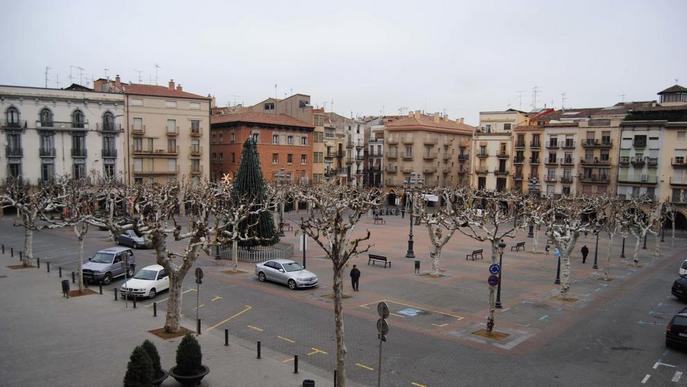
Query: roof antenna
535, 91
520, 96
157, 67
46, 76
139, 75
275, 91
106, 76
563, 99
622, 97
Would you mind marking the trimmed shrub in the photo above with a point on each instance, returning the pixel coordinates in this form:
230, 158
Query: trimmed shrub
139, 371
152, 353
189, 357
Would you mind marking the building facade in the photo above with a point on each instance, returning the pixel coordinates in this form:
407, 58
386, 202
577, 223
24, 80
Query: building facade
71, 132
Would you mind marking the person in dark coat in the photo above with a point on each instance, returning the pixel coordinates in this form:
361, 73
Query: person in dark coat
585, 252
355, 278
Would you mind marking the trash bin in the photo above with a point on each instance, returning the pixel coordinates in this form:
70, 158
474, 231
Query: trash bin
417, 265
308, 383
65, 288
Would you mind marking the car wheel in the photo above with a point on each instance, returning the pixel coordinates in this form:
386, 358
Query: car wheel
261, 277
107, 279
152, 293
292, 284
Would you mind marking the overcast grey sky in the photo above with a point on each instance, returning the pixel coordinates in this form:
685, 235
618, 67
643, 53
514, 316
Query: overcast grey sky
367, 56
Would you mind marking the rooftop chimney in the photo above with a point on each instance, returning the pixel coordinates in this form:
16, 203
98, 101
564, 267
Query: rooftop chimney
461, 120
118, 82
179, 88
171, 84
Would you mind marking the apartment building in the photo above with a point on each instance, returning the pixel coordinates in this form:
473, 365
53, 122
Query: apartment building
73, 132
492, 149
167, 131
318, 147
430, 148
375, 152
355, 152
284, 144
527, 150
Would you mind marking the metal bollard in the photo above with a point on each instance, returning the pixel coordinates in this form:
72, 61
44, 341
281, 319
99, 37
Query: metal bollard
258, 350
21, 255
3, 248
134, 300
334, 378
226, 337
100, 288
115, 293
73, 278
59, 268
12, 252
295, 364
38, 263
198, 326
48, 266
154, 309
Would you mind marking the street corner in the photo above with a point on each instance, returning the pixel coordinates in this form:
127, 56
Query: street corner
502, 337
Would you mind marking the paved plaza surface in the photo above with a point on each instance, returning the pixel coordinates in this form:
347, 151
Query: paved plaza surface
611, 333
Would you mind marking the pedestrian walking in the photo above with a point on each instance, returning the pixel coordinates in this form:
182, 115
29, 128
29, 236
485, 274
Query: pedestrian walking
585, 252
355, 278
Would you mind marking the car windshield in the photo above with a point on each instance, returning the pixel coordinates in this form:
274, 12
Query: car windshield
146, 274
293, 266
102, 258
680, 320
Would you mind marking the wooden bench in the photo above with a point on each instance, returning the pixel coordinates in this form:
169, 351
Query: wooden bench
475, 253
379, 220
518, 246
372, 258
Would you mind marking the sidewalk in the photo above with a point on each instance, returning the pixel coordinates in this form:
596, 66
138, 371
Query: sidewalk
87, 341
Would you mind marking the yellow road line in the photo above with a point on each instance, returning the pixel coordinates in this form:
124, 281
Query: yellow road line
254, 328
317, 350
215, 298
287, 360
364, 366
418, 384
246, 309
167, 298
286, 339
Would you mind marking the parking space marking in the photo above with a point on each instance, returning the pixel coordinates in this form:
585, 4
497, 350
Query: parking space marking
286, 339
397, 315
316, 350
440, 325
254, 328
167, 298
676, 377
457, 317
658, 363
245, 309
646, 378
287, 360
544, 317
364, 366
216, 298
201, 305
418, 384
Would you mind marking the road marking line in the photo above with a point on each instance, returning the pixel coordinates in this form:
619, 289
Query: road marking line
201, 305
440, 325
167, 298
418, 384
246, 309
364, 366
414, 306
287, 360
215, 298
658, 363
676, 377
316, 350
397, 315
646, 378
254, 328
544, 317
597, 289
505, 310
286, 339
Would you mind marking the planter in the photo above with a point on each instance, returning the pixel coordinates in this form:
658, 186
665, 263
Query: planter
157, 382
190, 380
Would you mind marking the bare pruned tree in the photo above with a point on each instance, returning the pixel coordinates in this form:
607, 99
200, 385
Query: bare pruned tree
533, 217
612, 219
336, 211
645, 218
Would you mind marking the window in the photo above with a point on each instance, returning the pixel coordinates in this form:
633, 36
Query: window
195, 126
14, 169
566, 190
304, 159
221, 155
109, 147
589, 154
195, 165
78, 146
108, 121
233, 137
639, 141
77, 119
487, 128
109, 169
171, 145
46, 118
79, 171
138, 165
269, 106
172, 126
289, 140
483, 150
275, 158
138, 123
171, 104
520, 141
172, 165
233, 157
506, 126
304, 140
13, 117
289, 158
605, 155
47, 170
606, 138
47, 146
194, 105
256, 137
409, 150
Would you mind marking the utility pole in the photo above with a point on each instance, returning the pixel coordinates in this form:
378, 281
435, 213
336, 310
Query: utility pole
46, 76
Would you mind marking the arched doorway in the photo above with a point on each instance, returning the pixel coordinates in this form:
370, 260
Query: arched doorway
391, 198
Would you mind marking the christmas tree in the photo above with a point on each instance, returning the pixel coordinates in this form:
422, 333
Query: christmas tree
249, 184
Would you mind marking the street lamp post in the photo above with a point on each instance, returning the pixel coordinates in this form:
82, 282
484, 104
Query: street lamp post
622, 252
303, 230
558, 270
410, 253
644, 247
596, 251
663, 232
530, 233
498, 305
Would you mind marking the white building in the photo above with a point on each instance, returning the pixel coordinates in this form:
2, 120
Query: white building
60, 132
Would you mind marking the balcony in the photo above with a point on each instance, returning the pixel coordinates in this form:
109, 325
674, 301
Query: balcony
595, 143
349, 144
552, 145
46, 152
429, 155
391, 169
197, 171
502, 155
535, 145
359, 158
596, 162
391, 155
638, 162
429, 170
197, 132
568, 145
481, 170
407, 156
519, 160
195, 150
152, 172
639, 144
61, 125
550, 178
518, 177
463, 157
172, 133
602, 179
79, 153
108, 128
170, 151
329, 156
567, 161
407, 140
392, 141
520, 145
624, 162
18, 124
679, 162
551, 161
446, 170
138, 131
642, 179
109, 153
464, 144
652, 162
349, 160
501, 172
482, 155
407, 169
534, 160
566, 179
680, 182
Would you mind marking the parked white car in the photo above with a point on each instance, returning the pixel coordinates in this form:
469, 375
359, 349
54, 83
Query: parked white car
683, 268
287, 272
147, 282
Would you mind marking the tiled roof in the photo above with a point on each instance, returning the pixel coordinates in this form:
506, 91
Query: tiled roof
158, 91
674, 89
260, 118
420, 122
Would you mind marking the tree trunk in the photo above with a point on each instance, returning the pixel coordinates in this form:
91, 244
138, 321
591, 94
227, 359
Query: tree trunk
492, 290
535, 242
339, 329
80, 274
173, 304
635, 259
608, 257
672, 241
657, 250
235, 254
565, 263
435, 254
28, 246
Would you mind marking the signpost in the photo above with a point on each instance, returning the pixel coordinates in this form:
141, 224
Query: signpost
382, 330
493, 280
494, 268
199, 280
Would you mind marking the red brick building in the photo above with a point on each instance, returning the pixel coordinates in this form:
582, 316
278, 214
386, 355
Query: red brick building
284, 145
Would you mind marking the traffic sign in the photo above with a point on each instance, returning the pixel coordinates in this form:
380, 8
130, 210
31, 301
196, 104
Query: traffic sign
383, 310
494, 268
382, 327
493, 280
199, 275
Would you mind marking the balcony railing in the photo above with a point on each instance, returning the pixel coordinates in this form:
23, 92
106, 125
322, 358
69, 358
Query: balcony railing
550, 178
519, 144
62, 125
391, 168
429, 170
535, 144
391, 155
18, 124
534, 160
595, 143
568, 145
195, 150
638, 162
679, 162
139, 131
197, 132
567, 161
652, 162
639, 144
595, 161
678, 181
13, 151
502, 155
552, 145
46, 152
551, 161
407, 140
566, 179
392, 141
519, 160
108, 128
169, 151
518, 176
79, 152
152, 172
429, 141
501, 172
483, 155
642, 179
481, 170
463, 157
197, 171
172, 132
407, 156
595, 179
110, 153
429, 155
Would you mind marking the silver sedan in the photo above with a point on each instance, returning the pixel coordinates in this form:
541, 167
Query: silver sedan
287, 272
